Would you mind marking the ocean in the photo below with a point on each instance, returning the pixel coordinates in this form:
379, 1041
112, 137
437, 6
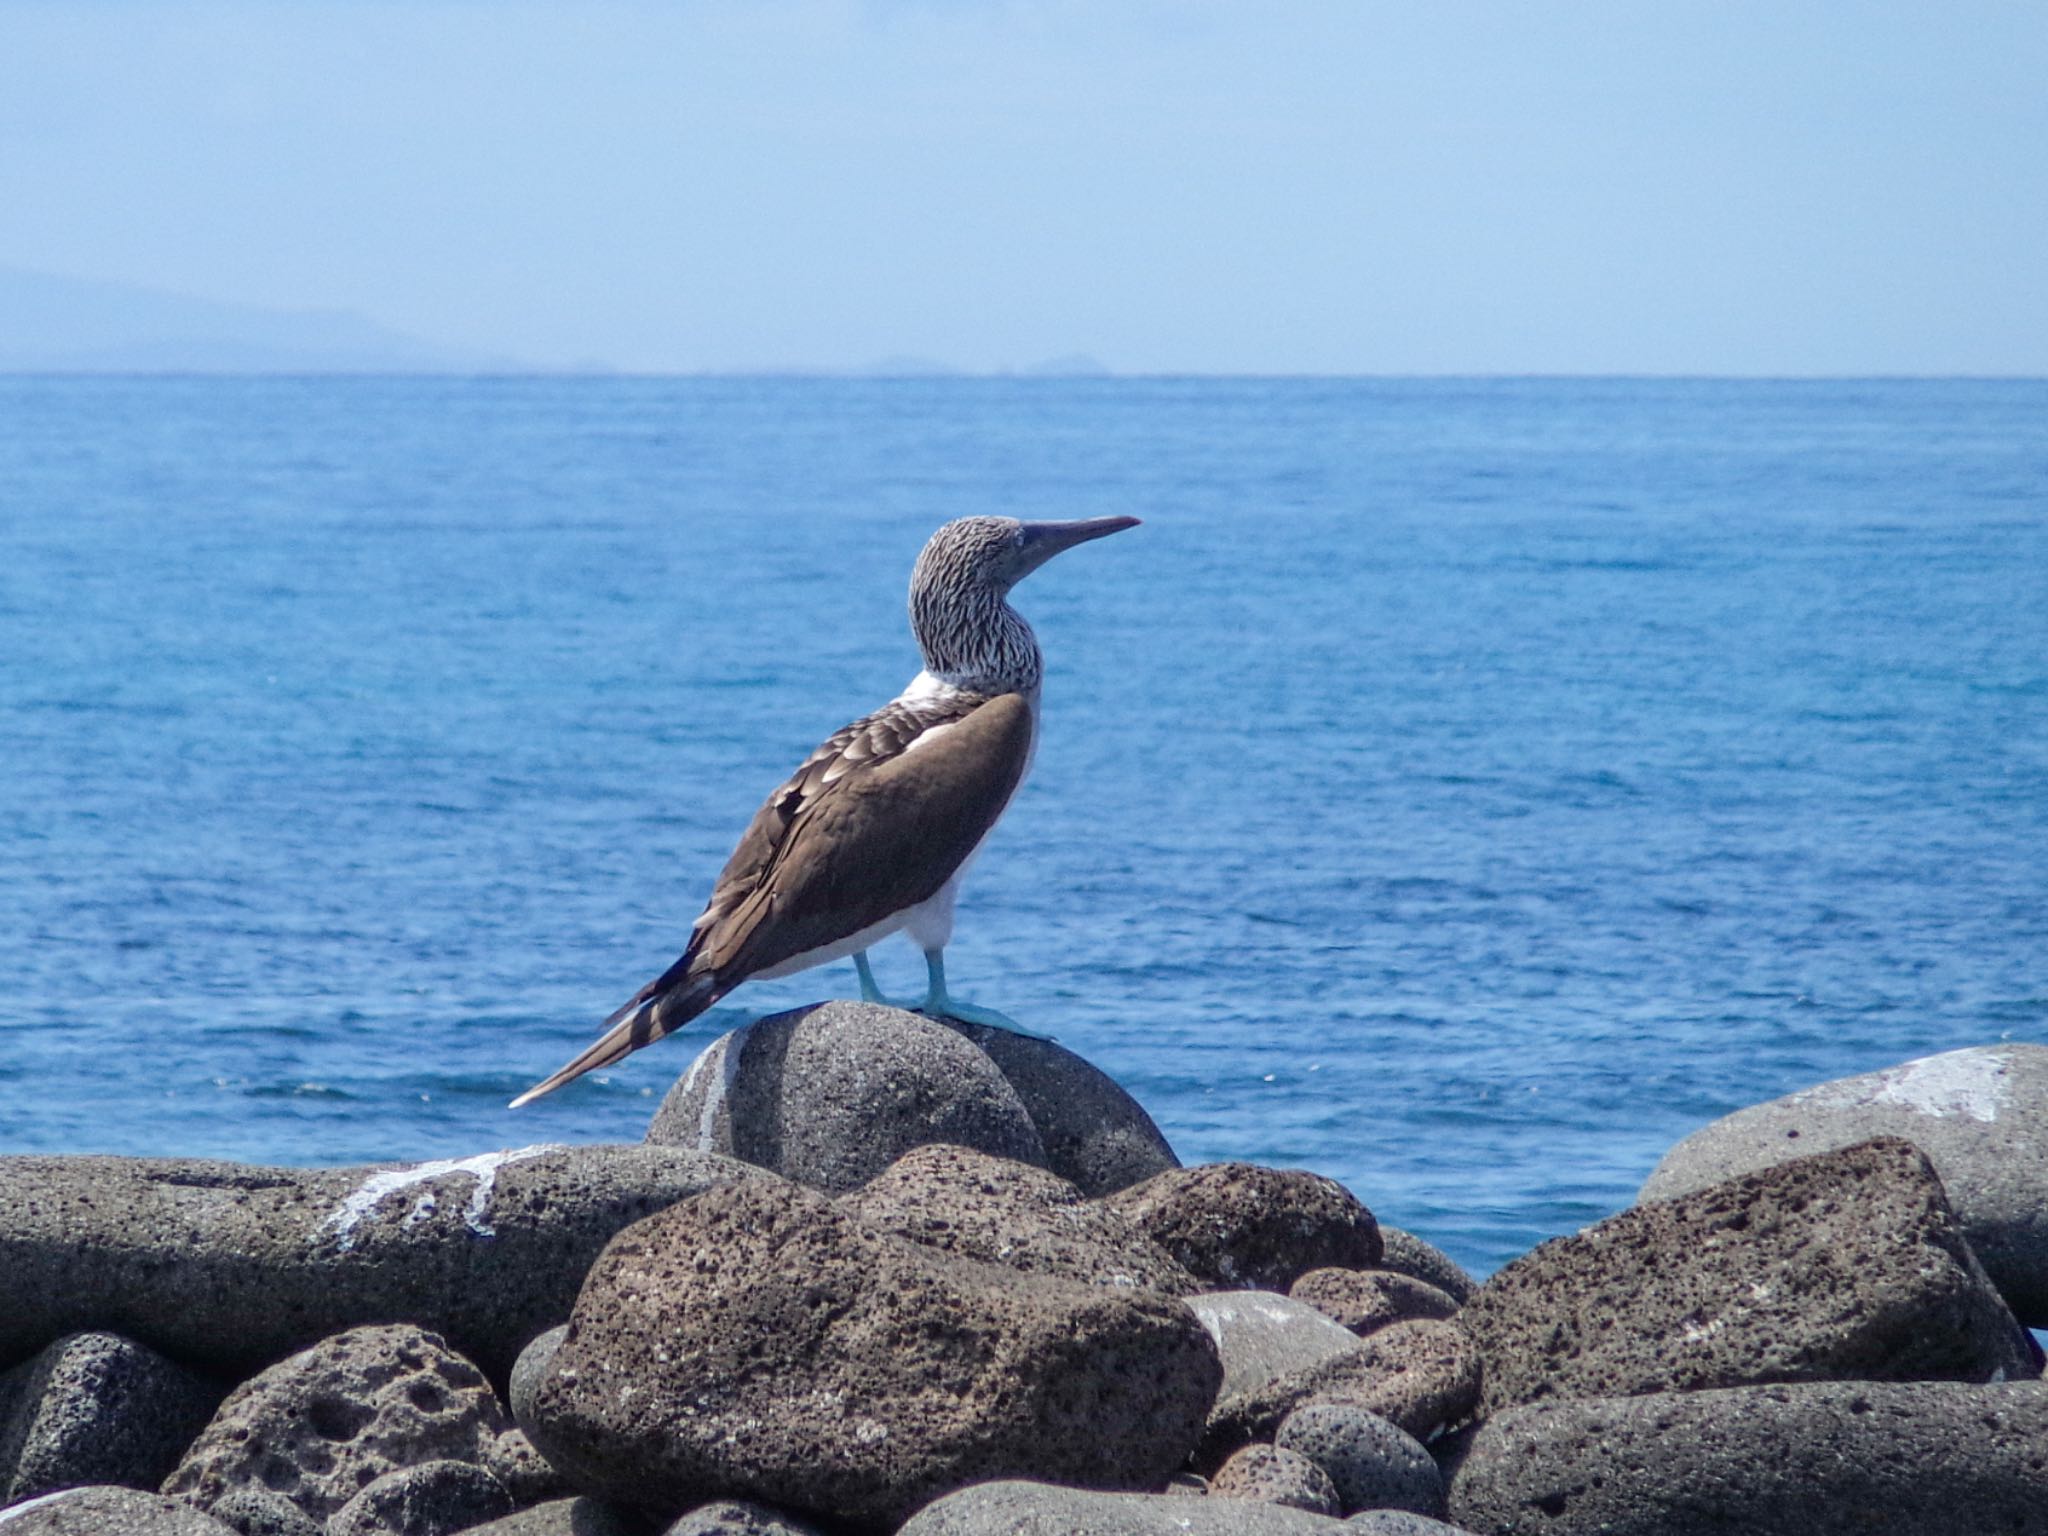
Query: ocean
1462, 788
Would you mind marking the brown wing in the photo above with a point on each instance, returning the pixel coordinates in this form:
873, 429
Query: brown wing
860, 831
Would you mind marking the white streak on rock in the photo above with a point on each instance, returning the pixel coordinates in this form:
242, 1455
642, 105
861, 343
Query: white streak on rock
483, 1168
728, 1070
28, 1504
1956, 1084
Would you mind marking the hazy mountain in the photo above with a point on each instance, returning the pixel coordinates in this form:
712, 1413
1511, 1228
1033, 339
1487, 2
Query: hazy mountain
74, 325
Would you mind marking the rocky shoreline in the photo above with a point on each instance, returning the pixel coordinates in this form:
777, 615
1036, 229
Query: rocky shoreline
872, 1273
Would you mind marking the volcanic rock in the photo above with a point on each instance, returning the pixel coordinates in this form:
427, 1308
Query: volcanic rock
735, 1517
107, 1511
1816, 1459
1372, 1463
832, 1094
1407, 1254
95, 1408
1040, 1509
1240, 1225
568, 1517
1261, 1336
230, 1266
433, 1498
1980, 1115
322, 1425
757, 1342
1849, 1265
1364, 1300
1001, 1212
1275, 1476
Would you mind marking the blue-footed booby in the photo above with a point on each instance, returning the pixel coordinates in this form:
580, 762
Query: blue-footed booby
872, 834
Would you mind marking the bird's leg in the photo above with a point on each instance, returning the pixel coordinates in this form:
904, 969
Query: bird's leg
869, 992
940, 1004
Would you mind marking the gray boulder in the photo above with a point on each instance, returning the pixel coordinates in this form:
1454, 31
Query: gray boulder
1819, 1459
1365, 1300
95, 1408
1039, 1509
1849, 1265
832, 1094
568, 1517
529, 1370
433, 1498
1000, 1212
1421, 1375
1980, 1115
321, 1426
1275, 1476
1261, 1336
1241, 1225
259, 1512
757, 1342
1373, 1464
1407, 1254
107, 1511
230, 1266
1096, 1136
1399, 1522
736, 1517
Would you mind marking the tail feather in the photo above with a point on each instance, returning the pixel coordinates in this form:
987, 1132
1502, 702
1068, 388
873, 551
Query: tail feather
642, 1021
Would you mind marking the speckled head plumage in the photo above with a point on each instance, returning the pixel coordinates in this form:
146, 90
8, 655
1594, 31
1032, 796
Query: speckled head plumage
969, 634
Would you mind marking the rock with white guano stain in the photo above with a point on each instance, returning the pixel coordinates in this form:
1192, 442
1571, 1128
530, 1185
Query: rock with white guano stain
230, 1265
1980, 1115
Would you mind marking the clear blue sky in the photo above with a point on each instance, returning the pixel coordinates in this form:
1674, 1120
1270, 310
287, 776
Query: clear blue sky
1327, 186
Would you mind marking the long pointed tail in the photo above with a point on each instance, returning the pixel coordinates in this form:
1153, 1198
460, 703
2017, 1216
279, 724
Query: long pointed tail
642, 1021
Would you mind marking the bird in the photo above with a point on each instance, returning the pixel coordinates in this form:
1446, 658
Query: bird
874, 831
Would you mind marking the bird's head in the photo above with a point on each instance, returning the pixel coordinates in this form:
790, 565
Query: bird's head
995, 553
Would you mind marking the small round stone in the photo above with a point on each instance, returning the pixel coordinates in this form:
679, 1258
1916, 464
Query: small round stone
1276, 1476
1372, 1463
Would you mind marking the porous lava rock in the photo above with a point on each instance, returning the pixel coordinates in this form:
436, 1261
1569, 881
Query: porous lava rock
832, 1094
1399, 1522
1849, 1265
1096, 1136
1421, 1375
1372, 1463
95, 1408
1261, 1335
108, 1511
581, 1516
1407, 1254
322, 1425
737, 1517
1275, 1476
230, 1266
259, 1512
1241, 1225
1015, 1508
1365, 1300
1813, 1459
997, 1211
757, 1342
1980, 1115
434, 1498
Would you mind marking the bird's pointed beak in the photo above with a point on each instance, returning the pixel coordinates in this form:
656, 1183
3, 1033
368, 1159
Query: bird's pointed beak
1044, 540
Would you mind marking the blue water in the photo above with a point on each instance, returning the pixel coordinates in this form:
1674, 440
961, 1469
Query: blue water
1464, 789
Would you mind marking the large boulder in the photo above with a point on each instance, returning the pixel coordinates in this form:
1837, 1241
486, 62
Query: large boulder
1849, 1265
832, 1094
108, 1511
1016, 1508
230, 1266
1366, 1300
320, 1427
757, 1342
1816, 1459
1261, 1336
1000, 1212
1980, 1115
1241, 1225
95, 1408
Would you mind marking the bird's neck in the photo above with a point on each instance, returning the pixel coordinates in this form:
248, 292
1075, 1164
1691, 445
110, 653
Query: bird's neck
976, 642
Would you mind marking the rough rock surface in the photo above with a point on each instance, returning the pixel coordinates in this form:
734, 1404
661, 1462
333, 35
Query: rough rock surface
1261, 1335
95, 1408
1038, 1509
1980, 1115
528, 1371
568, 1517
105, 1511
322, 1425
231, 1266
259, 1512
1365, 1300
1240, 1225
1096, 1136
1848, 1265
1407, 1254
1001, 1212
1399, 1522
1275, 1476
832, 1094
1817, 1459
736, 1517
757, 1342
1420, 1375
434, 1498
1372, 1463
